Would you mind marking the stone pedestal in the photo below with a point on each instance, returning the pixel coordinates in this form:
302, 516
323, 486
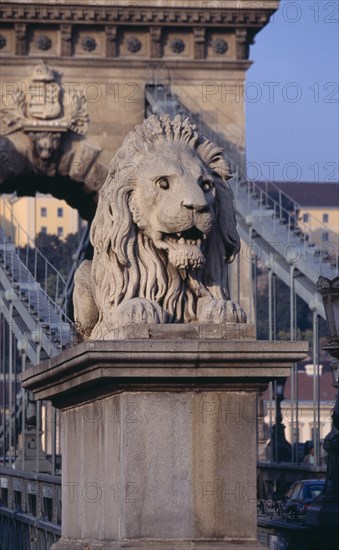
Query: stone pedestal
159, 436
27, 461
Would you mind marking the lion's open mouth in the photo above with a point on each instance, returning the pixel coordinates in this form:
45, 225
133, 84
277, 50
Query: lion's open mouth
192, 236
184, 248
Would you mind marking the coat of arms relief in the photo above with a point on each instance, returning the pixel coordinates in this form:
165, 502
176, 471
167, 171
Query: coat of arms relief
45, 112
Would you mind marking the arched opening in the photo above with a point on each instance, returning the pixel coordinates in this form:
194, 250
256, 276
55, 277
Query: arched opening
74, 193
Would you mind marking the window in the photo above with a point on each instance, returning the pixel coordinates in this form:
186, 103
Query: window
43, 229
60, 212
296, 491
325, 218
60, 231
31, 502
43, 212
325, 236
305, 217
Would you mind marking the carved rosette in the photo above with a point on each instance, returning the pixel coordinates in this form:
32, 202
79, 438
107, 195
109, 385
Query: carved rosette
133, 44
177, 45
43, 42
219, 46
88, 44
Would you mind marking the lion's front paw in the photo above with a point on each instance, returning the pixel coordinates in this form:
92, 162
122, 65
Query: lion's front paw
139, 310
217, 310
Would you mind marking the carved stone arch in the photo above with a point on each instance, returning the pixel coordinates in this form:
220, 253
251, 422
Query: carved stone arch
73, 173
45, 147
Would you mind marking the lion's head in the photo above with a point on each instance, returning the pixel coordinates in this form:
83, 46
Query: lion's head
46, 144
165, 225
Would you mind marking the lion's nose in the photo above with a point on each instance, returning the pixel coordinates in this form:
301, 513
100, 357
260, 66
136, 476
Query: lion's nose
190, 205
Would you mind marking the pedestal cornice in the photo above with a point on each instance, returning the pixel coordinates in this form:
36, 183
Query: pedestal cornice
100, 367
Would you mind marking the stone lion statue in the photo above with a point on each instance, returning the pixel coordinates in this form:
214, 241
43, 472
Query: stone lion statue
163, 234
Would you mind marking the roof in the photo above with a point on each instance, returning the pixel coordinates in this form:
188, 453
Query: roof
305, 388
307, 194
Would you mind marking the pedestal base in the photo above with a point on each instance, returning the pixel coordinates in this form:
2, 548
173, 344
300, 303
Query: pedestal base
159, 440
73, 544
161, 463
26, 461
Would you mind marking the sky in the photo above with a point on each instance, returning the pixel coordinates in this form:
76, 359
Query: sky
291, 95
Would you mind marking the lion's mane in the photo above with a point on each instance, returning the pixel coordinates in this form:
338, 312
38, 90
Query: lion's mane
126, 263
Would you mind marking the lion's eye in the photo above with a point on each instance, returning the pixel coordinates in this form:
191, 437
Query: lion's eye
207, 186
162, 183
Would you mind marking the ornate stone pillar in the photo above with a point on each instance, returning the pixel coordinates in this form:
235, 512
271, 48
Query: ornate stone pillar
155, 33
199, 42
66, 40
242, 44
111, 41
20, 38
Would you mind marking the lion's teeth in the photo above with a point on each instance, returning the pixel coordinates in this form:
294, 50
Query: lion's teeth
198, 242
181, 240
204, 237
179, 234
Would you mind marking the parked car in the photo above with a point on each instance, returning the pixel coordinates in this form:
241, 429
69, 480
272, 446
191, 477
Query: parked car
300, 495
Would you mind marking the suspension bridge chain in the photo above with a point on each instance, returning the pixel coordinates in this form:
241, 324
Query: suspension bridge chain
268, 219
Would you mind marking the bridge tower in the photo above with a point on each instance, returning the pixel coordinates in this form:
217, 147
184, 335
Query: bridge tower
61, 126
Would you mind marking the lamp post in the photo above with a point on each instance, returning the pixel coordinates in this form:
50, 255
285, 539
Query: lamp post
325, 510
281, 448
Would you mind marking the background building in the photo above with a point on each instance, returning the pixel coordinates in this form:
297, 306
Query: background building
317, 206
41, 214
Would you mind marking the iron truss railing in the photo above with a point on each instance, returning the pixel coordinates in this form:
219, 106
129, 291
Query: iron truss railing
34, 327
30, 510
31, 291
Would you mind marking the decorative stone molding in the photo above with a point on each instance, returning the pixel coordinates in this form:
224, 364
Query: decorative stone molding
111, 41
185, 16
219, 46
118, 20
242, 44
199, 42
155, 33
2, 41
66, 40
177, 45
88, 44
20, 38
45, 148
133, 44
43, 42
45, 113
